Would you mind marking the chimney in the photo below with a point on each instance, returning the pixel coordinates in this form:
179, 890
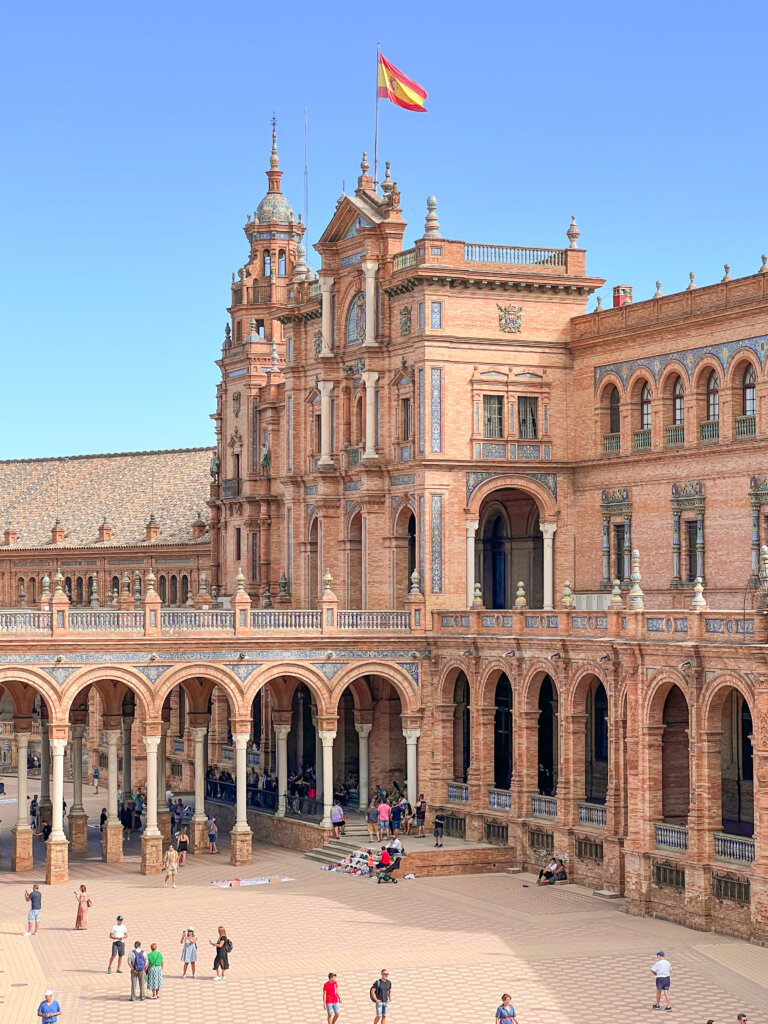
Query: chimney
622, 295
10, 536
105, 531
153, 530
198, 527
57, 533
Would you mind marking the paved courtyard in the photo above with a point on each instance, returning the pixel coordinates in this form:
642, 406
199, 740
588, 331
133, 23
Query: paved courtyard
452, 946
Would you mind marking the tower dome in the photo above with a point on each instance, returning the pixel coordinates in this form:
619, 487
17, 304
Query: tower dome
274, 206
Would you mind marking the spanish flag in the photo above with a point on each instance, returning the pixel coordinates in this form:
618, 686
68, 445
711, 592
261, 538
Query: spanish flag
398, 88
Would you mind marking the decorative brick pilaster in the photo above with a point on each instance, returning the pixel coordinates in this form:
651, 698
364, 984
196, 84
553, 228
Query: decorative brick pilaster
240, 848
151, 855
57, 861
571, 784
112, 843
21, 850
78, 831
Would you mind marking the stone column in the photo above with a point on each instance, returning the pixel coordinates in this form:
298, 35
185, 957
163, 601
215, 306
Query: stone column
363, 731
21, 853
78, 819
281, 732
327, 738
57, 868
126, 726
471, 531
163, 811
326, 299
369, 378
675, 547
755, 539
548, 532
199, 834
326, 388
700, 544
241, 851
318, 757
627, 547
152, 839
112, 833
411, 751
44, 804
606, 582
369, 270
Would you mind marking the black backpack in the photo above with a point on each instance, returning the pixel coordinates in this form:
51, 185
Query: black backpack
228, 947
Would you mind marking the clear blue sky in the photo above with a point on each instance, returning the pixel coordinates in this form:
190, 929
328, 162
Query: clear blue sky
135, 139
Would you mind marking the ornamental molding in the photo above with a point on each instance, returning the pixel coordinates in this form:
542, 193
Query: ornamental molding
689, 496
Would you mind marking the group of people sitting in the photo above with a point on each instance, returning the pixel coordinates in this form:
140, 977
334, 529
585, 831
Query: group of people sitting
553, 872
368, 862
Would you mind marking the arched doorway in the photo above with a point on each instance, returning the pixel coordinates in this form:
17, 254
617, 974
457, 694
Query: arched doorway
404, 558
675, 762
502, 734
355, 587
548, 737
510, 548
596, 744
313, 556
461, 720
737, 777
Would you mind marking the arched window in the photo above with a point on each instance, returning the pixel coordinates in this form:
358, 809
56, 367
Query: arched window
748, 391
678, 413
713, 397
614, 419
281, 263
267, 264
645, 407
32, 589
174, 590
68, 587
184, 589
163, 589
79, 590
115, 586
20, 592
356, 320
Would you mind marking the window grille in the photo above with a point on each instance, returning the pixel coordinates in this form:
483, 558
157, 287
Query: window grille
406, 419
495, 832
528, 418
539, 840
455, 826
726, 887
493, 411
667, 876
589, 849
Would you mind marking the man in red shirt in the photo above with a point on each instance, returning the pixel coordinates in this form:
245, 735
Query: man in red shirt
331, 998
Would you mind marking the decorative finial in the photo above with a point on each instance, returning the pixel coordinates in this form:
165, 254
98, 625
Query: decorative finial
698, 604
282, 585
692, 285
658, 293
616, 601
58, 582
327, 581
274, 161
477, 599
573, 233
364, 165
94, 602
520, 601
431, 223
227, 336
266, 600
125, 583
567, 599
46, 584
636, 602
190, 602
150, 581
415, 582
240, 580
387, 185
727, 275
599, 304
764, 268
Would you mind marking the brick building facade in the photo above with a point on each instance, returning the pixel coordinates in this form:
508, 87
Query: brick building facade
463, 533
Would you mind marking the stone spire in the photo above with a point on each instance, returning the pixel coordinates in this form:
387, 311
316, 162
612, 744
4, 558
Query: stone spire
274, 160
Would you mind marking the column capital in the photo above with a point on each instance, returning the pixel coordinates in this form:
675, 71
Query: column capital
363, 729
281, 731
326, 284
22, 738
151, 743
369, 268
58, 745
326, 737
548, 530
411, 735
370, 377
199, 732
113, 737
325, 387
77, 732
241, 740
472, 527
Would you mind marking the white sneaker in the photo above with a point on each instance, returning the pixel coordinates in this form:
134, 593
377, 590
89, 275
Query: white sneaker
174, 887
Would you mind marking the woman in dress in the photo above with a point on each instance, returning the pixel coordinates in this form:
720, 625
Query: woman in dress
83, 902
506, 1011
155, 971
188, 951
221, 960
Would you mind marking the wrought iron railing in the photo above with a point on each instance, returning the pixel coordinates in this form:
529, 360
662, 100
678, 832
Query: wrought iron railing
671, 837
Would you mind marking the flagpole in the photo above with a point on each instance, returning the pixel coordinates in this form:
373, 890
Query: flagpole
376, 133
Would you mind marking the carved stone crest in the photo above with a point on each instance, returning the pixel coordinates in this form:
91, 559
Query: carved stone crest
510, 318
318, 339
405, 320
236, 398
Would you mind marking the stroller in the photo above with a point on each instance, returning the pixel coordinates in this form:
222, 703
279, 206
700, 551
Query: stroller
385, 874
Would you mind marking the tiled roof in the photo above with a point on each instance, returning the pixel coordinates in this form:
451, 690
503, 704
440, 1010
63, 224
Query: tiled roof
126, 487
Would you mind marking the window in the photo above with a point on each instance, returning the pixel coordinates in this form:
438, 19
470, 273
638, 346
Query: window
538, 840
254, 556
614, 419
163, 590
260, 328
678, 413
690, 533
527, 418
238, 544
78, 590
589, 849
645, 407
281, 263
356, 320
421, 316
667, 876
436, 316
618, 551
406, 419
239, 332
267, 264
748, 392
174, 590
184, 589
493, 413
318, 432
713, 397
289, 349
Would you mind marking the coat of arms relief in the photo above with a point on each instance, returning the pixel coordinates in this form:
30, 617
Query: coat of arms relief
510, 318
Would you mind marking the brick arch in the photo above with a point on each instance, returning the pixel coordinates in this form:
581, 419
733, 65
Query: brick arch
349, 516
486, 689
94, 675
610, 380
445, 686
215, 674
406, 687
674, 368
714, 694
36, 683
536, 490
738, 361
641, 375
275, 673
401, 507
361, 694
658, 688
702, 370
532, 683
585, 675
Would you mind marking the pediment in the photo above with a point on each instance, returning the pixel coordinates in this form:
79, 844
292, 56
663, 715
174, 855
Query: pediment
348, 220
495, 374
528, 375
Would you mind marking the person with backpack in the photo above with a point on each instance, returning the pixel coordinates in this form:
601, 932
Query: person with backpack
223, 948
381, 994
137, 961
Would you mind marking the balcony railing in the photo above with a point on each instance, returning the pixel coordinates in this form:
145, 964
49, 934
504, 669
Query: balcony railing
395, 621
592, 814
231, 488
405, 259
518, 256
671, 837
611, 442
197, 620
543, 806
709, 430
736, 848
285, 618
642, 440
676, 434
458, 793
500, 798
106, 619
25, 622
745, 426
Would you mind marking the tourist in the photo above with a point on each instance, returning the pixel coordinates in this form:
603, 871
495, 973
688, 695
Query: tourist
118, 935
182, 844
83, 902
395, 848
331, 998
126, 820
372, 820
49, 1009
33, 808
96, 779
421, 816
171, 865
439, 828
137, 961
381, 994
546, 873
741, 1019
506, 1011
45, 831
223, 949
559, 875
188, 951
337, 819
385, 812
35, 901
662, 969
396, 818
407, 816
155, 971
213, 833
103, 819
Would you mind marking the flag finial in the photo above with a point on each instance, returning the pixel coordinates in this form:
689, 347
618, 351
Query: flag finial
274, 161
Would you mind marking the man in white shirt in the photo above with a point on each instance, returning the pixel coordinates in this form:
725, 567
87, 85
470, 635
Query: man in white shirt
661, 969
118, 935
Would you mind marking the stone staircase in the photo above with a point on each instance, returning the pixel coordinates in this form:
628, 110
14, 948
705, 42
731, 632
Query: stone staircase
337, 849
